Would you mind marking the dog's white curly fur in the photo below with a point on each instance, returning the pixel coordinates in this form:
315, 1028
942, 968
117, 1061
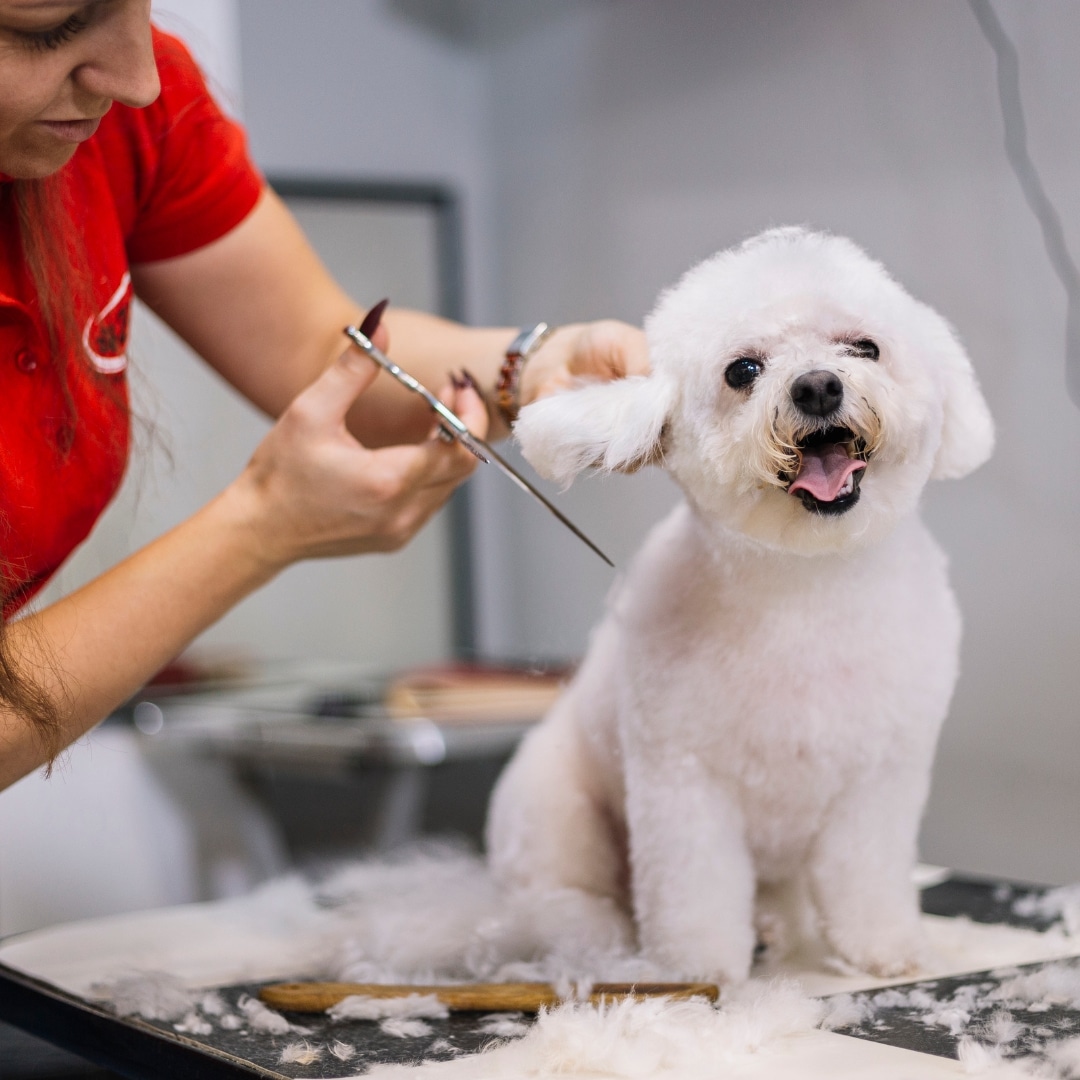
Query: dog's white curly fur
746, 749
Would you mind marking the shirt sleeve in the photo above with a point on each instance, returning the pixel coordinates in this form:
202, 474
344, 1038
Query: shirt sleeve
193, 179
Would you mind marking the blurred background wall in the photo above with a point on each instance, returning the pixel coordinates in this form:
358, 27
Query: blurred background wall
599, 148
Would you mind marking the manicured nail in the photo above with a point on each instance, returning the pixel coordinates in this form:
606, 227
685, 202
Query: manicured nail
373, 318
469, 381
457, 381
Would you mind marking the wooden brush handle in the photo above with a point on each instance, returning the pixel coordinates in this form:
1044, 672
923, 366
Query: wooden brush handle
470, 997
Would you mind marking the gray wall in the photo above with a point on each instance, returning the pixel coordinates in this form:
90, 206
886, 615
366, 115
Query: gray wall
603, 146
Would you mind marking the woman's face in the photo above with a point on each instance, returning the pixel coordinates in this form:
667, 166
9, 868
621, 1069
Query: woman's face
62, 65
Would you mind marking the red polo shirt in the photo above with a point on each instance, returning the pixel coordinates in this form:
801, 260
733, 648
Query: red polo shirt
151, 184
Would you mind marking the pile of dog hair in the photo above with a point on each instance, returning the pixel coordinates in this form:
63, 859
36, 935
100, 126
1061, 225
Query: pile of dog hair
1061, 904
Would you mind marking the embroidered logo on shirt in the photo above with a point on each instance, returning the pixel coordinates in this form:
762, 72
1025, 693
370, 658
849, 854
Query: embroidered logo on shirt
105, 336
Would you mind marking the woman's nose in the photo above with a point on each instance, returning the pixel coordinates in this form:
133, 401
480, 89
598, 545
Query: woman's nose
121, 65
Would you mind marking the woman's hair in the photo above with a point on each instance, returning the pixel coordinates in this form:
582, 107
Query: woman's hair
56, 261
54, 255
30, 699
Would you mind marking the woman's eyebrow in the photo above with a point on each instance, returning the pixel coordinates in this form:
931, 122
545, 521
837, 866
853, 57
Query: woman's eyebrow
45, 5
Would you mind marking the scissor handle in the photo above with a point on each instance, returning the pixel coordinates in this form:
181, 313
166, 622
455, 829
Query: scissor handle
451, 422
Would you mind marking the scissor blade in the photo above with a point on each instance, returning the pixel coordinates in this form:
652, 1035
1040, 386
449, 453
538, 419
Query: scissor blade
507, 469
476, 447
454, 426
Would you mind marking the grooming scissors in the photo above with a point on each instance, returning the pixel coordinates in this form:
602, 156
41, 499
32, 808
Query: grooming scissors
450, 423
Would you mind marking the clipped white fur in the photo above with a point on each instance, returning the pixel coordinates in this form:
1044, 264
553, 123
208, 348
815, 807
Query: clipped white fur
657, 1037
410, 1007
343, 1051
404, 1027
153, 995
260, 1018
300, 1053
745, 751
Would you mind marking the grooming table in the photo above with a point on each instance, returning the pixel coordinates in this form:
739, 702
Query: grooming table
895, 1044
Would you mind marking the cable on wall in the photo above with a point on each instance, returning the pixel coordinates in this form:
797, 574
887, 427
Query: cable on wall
1016, 150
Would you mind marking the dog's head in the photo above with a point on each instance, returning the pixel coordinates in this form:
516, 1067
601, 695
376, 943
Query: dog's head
798, 395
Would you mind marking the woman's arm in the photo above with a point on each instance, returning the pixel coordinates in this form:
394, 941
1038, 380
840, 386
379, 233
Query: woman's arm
261, 308
310, 490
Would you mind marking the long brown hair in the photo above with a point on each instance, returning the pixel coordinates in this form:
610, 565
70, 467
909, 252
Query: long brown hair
56, 258
56, 261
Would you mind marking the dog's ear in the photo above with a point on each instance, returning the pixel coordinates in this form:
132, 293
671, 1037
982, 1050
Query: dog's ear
616, 426
967, 430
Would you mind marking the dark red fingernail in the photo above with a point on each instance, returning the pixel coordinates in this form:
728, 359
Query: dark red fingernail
468, 380
373, 318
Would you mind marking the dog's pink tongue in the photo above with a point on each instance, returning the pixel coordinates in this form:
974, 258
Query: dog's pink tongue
824, 470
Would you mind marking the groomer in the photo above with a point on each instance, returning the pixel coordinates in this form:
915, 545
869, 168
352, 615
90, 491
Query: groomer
119, 177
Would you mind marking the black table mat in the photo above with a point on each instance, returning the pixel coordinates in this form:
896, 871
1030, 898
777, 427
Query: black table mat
457, 1034
901, 1025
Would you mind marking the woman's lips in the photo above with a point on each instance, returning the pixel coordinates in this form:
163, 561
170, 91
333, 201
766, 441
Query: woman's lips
75, 131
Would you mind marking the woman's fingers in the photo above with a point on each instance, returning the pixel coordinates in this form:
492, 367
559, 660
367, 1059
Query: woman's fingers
470, 405
602, 350
328, 399
372, 328
462, 397
442, 459
324, 493
609, 349
331, 395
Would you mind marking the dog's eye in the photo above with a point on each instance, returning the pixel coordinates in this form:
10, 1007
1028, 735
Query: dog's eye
742, 372
865, 348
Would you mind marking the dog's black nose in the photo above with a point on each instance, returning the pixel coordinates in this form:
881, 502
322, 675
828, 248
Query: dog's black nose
817, 393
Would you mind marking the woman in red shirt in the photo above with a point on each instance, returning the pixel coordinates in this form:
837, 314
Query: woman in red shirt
119, 175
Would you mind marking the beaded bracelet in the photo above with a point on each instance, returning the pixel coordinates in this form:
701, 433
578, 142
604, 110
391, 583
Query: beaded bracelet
520, 349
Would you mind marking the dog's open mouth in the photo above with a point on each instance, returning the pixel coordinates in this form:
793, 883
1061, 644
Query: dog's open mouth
831, 464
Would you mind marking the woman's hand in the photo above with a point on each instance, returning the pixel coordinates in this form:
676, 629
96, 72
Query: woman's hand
602, 350
314, 490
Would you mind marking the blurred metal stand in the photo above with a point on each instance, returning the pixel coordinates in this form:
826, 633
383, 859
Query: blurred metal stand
338, 776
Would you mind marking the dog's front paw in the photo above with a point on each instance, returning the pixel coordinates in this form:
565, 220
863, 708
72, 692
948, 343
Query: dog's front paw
888, 954
723, 959
569, 921
774, 937
579, 921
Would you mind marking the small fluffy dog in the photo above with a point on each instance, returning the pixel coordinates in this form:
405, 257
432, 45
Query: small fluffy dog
755, 720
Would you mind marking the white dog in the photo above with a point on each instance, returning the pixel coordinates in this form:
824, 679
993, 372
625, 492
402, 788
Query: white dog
757, 714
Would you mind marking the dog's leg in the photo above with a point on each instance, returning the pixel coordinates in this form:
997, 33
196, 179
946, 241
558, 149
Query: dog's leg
861, 867
693, 880
548, 832
780, 918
